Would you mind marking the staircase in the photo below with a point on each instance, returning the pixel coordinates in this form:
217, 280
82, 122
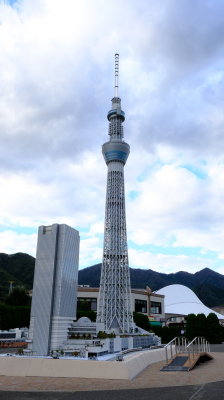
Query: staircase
182, 355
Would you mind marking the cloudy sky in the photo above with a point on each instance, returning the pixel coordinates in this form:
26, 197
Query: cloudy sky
56, 83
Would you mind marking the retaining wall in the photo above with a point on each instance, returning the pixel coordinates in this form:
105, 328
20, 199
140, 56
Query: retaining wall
47, 367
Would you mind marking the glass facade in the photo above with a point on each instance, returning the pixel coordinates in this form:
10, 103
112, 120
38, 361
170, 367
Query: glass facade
55, 287
141, 306
156, 307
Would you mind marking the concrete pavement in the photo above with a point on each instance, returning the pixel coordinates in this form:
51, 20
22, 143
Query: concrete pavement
204, 382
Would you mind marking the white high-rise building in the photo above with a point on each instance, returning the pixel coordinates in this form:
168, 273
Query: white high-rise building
55, 288
114, 311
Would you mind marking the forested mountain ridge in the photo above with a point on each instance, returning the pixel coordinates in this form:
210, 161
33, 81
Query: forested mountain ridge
18, 268
207, 284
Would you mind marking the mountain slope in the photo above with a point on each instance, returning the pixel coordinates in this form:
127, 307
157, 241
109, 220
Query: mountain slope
18, 268
207, 284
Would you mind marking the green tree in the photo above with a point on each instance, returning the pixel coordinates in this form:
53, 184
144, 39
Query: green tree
201, 325
14, 317
191, 326
20, 352
214, 332
166, 333
102, 335
18, 297
141, 320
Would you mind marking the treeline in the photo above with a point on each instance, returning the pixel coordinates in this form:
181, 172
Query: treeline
209, 327
196, 325
15, 311
14, 316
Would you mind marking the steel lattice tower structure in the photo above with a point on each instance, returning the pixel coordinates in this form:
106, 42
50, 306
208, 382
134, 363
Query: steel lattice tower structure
114, 305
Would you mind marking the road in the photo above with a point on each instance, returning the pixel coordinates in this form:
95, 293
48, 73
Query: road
209, 391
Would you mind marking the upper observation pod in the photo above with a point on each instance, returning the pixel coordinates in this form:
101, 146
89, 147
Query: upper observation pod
116, 149
116, 110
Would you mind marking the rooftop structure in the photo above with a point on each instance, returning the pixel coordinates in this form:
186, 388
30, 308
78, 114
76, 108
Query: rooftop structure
180, 300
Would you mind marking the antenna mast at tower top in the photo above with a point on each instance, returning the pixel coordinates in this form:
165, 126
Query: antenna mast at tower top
116, 74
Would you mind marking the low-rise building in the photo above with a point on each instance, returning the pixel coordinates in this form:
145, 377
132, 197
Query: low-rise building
142, 300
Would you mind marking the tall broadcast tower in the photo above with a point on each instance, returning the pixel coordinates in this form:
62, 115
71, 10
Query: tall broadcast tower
114, 305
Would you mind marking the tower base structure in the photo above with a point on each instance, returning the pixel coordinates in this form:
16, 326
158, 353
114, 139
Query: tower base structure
89, 339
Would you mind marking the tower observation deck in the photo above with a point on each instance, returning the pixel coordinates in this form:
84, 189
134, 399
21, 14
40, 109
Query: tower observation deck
114, 305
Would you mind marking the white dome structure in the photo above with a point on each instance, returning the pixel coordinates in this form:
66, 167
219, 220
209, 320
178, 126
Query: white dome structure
84, 321
179, 299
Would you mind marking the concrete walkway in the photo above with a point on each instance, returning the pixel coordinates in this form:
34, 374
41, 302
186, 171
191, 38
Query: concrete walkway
151, 377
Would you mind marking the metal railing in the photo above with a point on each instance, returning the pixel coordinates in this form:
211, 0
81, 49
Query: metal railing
198, 345
175, 346
180, 344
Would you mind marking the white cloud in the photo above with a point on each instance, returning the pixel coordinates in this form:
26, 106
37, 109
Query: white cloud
166, 263
168, 198
56, 83
176, 208
90, 252
12, 242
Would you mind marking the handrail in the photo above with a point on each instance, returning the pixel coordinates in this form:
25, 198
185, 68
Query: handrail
171, 349
180, 344
176, 345
198, 345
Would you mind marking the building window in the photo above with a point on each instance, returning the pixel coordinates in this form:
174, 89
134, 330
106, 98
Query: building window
140, 306
7, 335
87, 304
156, 308
47, 229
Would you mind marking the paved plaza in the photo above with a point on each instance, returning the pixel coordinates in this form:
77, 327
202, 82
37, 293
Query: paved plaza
205, 380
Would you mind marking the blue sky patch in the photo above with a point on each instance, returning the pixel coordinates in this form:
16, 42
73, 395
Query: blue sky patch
198, 172
12, 2
149, 170
26, 230
132, 194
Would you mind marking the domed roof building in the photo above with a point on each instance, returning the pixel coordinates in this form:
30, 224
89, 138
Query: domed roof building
180, 300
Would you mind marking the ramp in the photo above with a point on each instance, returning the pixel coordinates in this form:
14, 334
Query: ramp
177, 364
184, 362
